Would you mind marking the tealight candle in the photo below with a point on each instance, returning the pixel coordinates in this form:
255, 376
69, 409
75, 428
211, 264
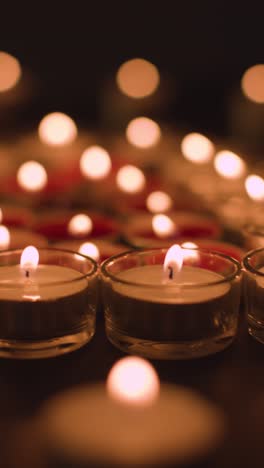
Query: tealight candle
48, 307
126, 423
253, 264
170, 305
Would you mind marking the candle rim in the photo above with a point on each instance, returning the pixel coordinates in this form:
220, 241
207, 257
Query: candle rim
223, 280
246, 262
80, 277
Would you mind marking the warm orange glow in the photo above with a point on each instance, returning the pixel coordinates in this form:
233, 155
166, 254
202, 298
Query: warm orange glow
29, 258
254, 185
80, 224
95, 163
163, 226
189, 250
32, 176
252, 83
197, 148
133, 381
1, 216
229, 165
158, 202
173, 262
130, 179
137, 78
10, 71
4, 238
90, 249
57, 129
143, 132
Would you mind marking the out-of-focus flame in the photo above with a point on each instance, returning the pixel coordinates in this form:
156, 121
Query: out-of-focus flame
254, 186
252, 83
159, 202
173, 262
90, 249
10, 71
197, 148
130, 179
133, 381
32, 177
229, 165
137, 78
189, 251
163, 226
4, 238
95, 163
80, 224
57, 129
143, 132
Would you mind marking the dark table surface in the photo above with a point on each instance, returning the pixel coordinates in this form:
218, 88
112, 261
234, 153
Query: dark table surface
234, 379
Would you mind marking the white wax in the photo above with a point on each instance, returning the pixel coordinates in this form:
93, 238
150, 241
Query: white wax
150, 287
47, 281
86, 424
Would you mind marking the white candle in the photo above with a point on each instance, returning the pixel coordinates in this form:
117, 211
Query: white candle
134, 424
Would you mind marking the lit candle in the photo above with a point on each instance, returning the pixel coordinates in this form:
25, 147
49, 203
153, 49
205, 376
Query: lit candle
32, 176
47, 308
173, 306
126, 423
98, 249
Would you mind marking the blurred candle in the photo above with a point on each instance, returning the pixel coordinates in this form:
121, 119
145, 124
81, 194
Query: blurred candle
130, 179
32, 176
95, 163
57, 129
80, 225
229, 165
143, 132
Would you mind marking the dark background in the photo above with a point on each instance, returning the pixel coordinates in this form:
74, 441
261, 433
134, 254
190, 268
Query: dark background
72, 47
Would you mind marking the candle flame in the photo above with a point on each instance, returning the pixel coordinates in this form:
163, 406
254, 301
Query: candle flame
32, 176
137, 78
80, 224
173, 262
90, 249
29, 258
254, 185
95, 163
130, 179
158, 202
163, 226
197, 148
133, 381
4, 238
57, 129
143, 132
229, 165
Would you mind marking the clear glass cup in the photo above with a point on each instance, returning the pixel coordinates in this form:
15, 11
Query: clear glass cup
48, 311
253, 264
193, 316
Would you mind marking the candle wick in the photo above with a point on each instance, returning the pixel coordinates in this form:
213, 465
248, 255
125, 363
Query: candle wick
170, 272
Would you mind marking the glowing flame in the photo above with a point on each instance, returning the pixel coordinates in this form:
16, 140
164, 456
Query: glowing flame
80, 224
189, 250
137, 78
32, 176
95, 163
10, 71
133, 381
143, 132
90, 249
197, 148
130, 179
255, 187
29, 258
229, 164
173, 262
4, 238
158, 202
252, 83
57, 129
163, 226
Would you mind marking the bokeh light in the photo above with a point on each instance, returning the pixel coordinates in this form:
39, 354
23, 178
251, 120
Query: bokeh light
57, 129
138, 78
130, 179
32, 176
229, 165
143, 132
134, 381
254, 186
10, 71
4, 238
197, 148
95, 163
163, 226
90, 249
252, 83
189, 250
80, 224
159, 202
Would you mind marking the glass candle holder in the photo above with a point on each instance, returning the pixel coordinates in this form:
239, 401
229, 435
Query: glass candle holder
48, 311
253, 235
194, 315
253, 264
